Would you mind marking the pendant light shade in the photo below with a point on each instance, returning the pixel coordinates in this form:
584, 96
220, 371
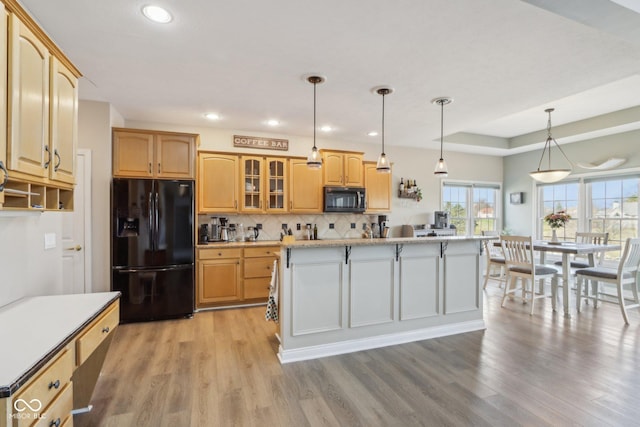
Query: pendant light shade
314, 161
441, 169
383, 165
550, 175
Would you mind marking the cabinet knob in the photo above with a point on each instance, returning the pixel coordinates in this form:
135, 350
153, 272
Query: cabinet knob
55, 423
55, 384
219, 253
105, 330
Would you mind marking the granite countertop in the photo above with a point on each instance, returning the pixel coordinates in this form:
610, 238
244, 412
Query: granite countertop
374, 242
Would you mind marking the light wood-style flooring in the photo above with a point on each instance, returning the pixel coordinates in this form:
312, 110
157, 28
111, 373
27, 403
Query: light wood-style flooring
220, 369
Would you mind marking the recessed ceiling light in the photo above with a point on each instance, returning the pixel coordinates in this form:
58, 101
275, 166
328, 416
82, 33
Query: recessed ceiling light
212, 116
157, 14
373, 133
273, 122
326, 128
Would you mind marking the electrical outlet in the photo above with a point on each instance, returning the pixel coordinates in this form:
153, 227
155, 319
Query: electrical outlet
332, 226
284, 226
353, 225
298, 227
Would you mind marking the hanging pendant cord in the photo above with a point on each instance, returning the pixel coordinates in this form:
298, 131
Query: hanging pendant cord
314, 114
383, 123
441, 127
547, 145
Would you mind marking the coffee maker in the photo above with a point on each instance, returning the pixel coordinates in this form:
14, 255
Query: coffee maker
383, 225
441, 219
214, 228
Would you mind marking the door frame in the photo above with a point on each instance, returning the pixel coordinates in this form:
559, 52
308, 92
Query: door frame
84, 155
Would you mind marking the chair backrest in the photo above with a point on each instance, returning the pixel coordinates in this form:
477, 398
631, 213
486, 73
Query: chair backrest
630, 260
518, 251
492, 250
593, 238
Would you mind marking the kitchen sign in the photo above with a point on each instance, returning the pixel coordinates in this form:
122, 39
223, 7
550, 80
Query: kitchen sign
259, 142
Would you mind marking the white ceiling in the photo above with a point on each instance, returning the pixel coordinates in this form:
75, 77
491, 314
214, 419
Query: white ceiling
503, 61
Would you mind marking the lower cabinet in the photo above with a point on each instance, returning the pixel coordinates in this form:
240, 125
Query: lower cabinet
232, 276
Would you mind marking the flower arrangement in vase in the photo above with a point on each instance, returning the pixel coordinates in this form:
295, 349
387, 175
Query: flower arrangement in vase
555, 221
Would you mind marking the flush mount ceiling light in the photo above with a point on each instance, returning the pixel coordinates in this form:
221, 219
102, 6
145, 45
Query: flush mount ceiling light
326, 128
273, 122
441, 167
314, 161
157, 14
383, 163
212, 116
373, 133
550, 175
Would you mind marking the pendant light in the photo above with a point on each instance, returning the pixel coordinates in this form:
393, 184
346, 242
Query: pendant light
314, 161
550, 175
441, 167
383, 163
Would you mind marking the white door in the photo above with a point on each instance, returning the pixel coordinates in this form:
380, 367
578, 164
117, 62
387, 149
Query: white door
76, 232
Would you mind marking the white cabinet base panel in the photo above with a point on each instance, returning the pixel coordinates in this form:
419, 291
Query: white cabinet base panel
333, 349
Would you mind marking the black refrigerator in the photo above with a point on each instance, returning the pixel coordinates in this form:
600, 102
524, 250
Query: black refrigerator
152, 248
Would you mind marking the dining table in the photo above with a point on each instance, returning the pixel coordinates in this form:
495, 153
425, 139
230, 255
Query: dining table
566, 249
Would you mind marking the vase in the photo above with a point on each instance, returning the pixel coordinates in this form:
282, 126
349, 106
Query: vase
554, 236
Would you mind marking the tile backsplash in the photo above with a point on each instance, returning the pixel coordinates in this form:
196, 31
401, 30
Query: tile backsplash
330, 226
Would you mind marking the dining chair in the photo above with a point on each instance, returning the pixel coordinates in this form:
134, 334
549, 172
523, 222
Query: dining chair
520, 263
495, 258
624, 275
581, 261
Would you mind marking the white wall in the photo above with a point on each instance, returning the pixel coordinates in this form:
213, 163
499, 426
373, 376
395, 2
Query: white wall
26, 268
95, 120
520, 218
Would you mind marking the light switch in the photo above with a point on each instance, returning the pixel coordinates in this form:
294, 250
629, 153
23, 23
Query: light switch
49, 240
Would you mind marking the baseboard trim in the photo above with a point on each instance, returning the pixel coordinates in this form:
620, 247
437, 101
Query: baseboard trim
350, 346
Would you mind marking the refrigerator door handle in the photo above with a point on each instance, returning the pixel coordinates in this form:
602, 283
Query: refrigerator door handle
150, 213
153, 270
157, 225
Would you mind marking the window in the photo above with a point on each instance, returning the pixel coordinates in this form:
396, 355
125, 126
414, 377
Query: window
555, 198
613, 208
472, 207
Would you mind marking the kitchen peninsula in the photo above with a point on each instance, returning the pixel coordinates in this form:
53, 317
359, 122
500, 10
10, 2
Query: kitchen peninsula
339, 296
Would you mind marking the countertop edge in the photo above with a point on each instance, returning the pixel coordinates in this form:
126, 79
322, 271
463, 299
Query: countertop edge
7, 390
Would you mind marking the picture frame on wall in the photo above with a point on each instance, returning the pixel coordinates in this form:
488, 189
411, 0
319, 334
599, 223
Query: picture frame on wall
517, 198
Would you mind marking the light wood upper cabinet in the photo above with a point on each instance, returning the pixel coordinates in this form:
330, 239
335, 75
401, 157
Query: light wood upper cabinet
217, 183
342, 168
174, 156
305, 187
378, 186
252, 184
276, 191
28, 147
133, 154
151, 154
263, 184
64, 122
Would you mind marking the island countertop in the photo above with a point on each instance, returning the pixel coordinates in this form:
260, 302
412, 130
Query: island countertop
377, 242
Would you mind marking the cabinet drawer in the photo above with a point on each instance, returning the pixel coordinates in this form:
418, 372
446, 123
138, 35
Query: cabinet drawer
258, 267
263, 251
96, 333
46, 387
59, 410
257, 288
214, 253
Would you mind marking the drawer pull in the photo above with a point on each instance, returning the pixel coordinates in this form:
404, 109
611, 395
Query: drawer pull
105, 330
55, 423
55, 384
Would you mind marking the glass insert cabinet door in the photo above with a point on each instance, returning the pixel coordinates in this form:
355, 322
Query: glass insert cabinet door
276, 179
252, 184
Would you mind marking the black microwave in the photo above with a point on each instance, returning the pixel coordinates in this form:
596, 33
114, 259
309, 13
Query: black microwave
344, 199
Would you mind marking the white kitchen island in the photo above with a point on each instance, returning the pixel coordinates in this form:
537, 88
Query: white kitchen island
340, 296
